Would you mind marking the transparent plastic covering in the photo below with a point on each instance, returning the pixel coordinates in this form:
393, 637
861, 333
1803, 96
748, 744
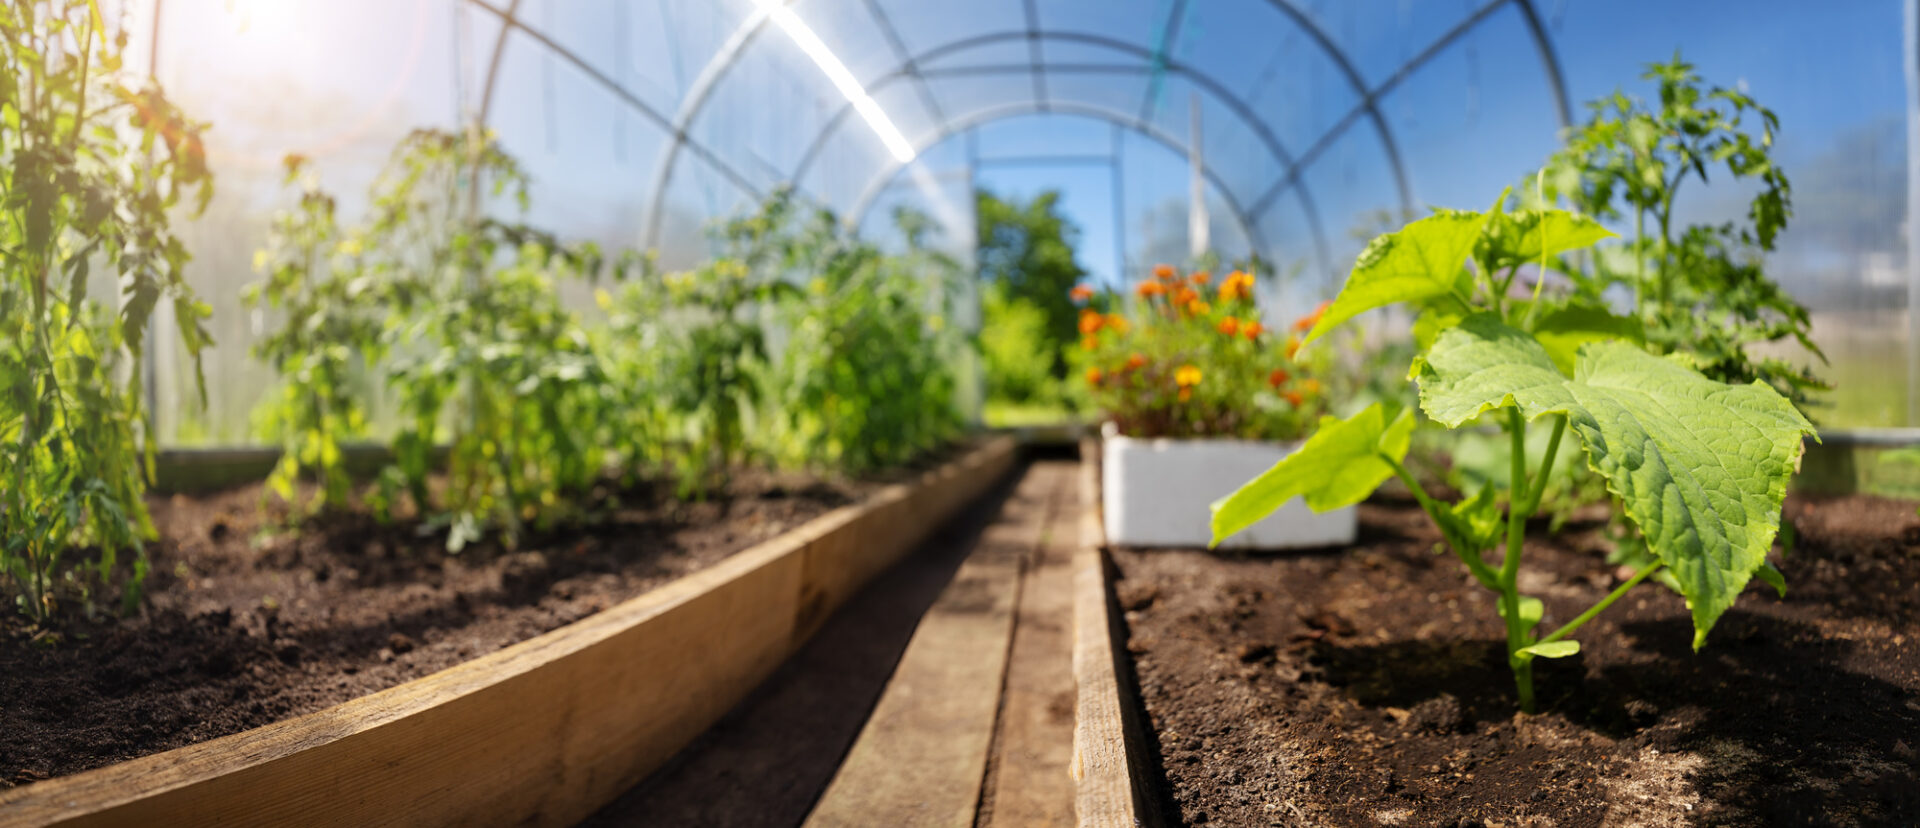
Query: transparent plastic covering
1318, 122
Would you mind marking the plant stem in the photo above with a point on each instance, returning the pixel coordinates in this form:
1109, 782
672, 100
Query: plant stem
1546, 463
1517, 515
1598, 608
1470, 557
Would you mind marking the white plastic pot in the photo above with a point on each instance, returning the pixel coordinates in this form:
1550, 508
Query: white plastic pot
1155, 492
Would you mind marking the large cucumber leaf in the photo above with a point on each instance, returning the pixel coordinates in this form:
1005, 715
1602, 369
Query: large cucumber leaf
1423, 260
1524, 236
1700, 467
1338, 466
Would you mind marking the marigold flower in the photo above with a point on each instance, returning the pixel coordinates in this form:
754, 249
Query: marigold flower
1293, 398
1117, 322
1293, 346
1163, 271
1186, 376
1090, 322
1135, 361
1089, 343
1186, 394
1081, 293
1093, 375
1198, 307
1201, 278
1185, 296
1278, 378
1310, 386
1151, 289
1229, 326
1252, 330
1311, 319
1238, 285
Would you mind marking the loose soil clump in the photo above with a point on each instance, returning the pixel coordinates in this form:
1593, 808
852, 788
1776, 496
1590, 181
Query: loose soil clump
238, 632
1368, 685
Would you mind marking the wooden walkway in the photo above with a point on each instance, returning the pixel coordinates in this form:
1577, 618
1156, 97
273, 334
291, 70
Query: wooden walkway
941, 696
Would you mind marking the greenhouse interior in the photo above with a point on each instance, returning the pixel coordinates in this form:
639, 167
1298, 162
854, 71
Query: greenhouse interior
1013, 412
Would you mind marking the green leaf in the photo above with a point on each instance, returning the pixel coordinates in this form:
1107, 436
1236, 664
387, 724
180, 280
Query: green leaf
1338, 466
1773, 577
1523, 236
1551, 649
1699, 466
1564, 329
1423, 260
1531, 610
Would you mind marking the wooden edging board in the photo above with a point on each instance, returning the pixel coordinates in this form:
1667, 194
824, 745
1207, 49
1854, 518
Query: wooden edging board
1110, 766
547, 730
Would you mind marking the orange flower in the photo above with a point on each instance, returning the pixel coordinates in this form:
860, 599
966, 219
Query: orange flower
1198, 308
1293, 346
1252, 330
1201, 277
1093, 376
1090, 321
1151, 289
1238, 285
1229, 326
1278, 378
1081, 293
1163, 271
1186, 376
1310, 386
1135, 361
1117, 322
1186, 394
1089, 343
1307, 322
1293, 398
1185, 296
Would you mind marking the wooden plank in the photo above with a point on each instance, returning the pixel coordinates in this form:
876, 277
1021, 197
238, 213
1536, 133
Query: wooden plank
920, 758
1107, 771
1027, 780
540, 733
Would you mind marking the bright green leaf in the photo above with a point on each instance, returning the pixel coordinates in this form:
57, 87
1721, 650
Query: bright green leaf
1700, 467
1523, 236
1564, 329
1338, 466
1773, 577
1551, 649
1421, 261
1531, 610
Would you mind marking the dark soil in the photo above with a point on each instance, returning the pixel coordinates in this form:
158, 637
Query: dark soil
1368, 685
239, 632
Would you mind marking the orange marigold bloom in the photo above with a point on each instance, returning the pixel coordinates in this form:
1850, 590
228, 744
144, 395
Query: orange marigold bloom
1278, 378
1229, 326
1186, 394
1252, 330
1198, 307
1151, 289
1081, 293
1201, 277
1293, 346
1311, 319
1093, 375
1163, 271
1090, 322
1186, 376
1238, 285
1293, 398
1185, 295
1089, 343
1117, 322
1135, 361
1310, 386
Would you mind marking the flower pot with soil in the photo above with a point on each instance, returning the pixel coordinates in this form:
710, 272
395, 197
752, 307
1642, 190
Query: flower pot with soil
1197, 395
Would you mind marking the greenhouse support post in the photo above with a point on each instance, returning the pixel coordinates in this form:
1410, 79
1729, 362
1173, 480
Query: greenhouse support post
1912, 60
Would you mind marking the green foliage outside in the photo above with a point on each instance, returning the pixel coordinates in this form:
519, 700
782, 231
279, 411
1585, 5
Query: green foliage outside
1026, 262
1700, 467
91, 165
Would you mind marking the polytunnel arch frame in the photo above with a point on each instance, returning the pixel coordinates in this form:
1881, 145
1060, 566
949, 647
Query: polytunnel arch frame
908, 66
856, 215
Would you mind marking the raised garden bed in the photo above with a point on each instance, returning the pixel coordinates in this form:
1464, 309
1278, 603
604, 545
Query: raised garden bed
541, 731
1366, 685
